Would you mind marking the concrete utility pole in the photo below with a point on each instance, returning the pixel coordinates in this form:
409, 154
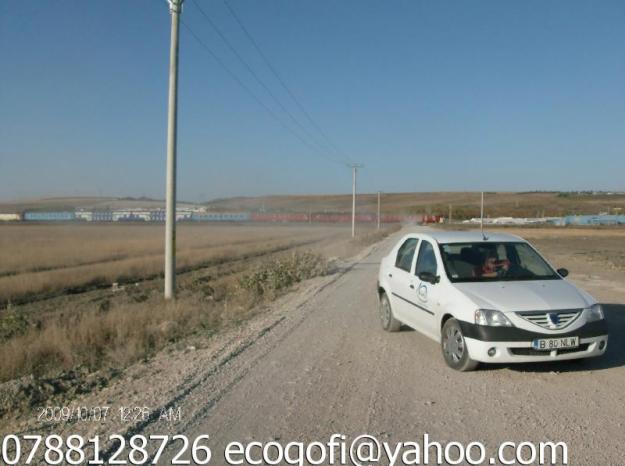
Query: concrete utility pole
378, 210
175, 8
354, 167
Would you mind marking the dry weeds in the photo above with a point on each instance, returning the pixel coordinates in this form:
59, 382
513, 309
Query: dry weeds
47, 259
112, 333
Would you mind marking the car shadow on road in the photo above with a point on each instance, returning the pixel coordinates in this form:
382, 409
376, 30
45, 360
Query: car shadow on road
613, 357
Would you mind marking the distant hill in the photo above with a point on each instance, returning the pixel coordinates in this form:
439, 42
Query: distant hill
88, 203
464, 204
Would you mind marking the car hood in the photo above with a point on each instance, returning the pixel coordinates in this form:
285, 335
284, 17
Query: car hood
524, 295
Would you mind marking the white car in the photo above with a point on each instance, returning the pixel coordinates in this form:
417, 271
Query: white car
489, 298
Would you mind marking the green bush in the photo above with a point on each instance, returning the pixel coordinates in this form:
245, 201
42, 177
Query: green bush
12, 323
284, 272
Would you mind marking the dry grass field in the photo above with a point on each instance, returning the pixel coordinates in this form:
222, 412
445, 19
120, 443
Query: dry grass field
45, 259
60, 311
465, 204
70, 318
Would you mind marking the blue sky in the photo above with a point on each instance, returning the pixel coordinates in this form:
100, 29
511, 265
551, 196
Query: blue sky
435, 95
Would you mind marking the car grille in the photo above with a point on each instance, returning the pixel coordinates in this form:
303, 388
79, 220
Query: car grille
534, 352
552, 320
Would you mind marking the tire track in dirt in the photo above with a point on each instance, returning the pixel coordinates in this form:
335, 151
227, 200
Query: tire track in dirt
180, 272
231, 367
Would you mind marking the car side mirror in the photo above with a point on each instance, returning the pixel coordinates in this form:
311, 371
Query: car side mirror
563, 272
429, 277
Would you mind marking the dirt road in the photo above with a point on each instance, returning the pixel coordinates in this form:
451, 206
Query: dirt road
327, 367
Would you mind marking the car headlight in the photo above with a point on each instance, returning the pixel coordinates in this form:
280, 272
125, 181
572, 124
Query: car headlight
492, 318
594, 312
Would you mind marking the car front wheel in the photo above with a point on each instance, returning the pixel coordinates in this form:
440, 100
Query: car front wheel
389, 322
454, 347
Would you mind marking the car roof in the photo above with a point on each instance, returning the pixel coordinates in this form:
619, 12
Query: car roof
443, 237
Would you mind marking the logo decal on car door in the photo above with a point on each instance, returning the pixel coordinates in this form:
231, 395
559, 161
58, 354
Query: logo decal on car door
422, 292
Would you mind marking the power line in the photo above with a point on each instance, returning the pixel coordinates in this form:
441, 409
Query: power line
273, 70
255, 75
271, 113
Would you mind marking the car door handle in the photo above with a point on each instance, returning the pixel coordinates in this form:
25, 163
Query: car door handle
412, 286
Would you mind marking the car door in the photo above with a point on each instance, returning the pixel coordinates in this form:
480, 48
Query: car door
425, 296
400, 277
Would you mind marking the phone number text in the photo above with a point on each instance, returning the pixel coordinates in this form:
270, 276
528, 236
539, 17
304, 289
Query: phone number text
75, 449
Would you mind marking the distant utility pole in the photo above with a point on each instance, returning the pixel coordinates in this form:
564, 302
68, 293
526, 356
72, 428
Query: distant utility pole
175, 8
450, 214
378, 210
482, 215
354, 167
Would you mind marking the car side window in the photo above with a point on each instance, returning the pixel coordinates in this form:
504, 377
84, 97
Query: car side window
405, 253
426, 261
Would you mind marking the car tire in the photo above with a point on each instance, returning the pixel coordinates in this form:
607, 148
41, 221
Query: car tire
454, 347
388, 320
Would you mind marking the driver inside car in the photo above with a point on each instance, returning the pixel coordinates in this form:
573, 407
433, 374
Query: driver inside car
492, 266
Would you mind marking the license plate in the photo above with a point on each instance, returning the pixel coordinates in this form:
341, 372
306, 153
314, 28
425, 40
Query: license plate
548, 344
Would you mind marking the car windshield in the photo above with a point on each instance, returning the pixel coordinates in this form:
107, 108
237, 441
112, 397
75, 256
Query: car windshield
493, 261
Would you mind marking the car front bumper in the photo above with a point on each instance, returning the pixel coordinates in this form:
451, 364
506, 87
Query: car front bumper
512, 344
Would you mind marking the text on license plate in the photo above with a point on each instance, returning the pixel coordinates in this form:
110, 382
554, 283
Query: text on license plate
555, 343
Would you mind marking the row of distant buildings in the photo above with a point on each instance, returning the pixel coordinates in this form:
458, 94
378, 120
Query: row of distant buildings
602, 219
201, 215
123, 215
